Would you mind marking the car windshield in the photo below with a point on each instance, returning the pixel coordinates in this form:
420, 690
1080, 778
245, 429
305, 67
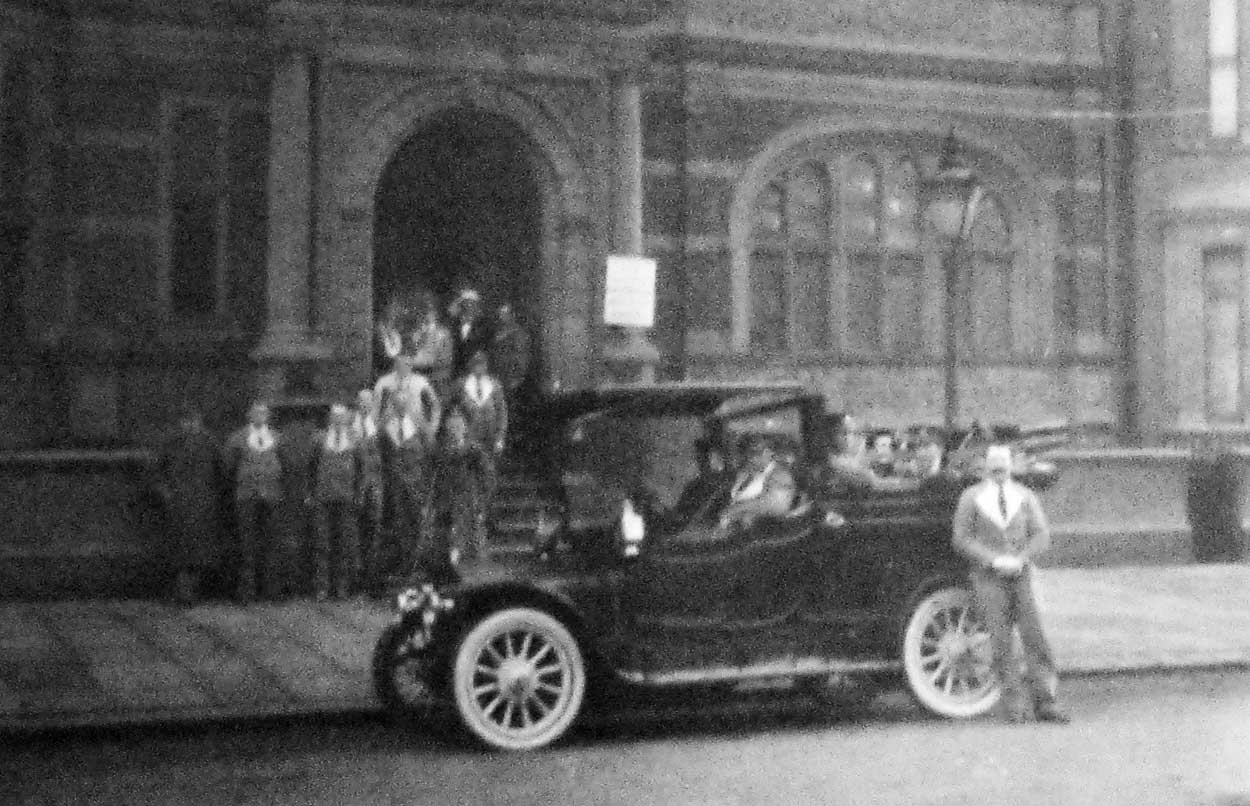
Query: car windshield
624, 450
627, 449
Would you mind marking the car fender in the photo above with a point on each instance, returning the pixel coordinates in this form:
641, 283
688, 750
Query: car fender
474, 603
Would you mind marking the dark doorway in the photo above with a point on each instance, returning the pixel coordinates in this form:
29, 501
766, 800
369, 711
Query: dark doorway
459, 205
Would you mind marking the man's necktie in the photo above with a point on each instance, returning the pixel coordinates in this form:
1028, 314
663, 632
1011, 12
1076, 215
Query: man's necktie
1002, 501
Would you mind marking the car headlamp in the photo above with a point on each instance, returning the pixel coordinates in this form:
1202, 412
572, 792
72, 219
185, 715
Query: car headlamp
409, 599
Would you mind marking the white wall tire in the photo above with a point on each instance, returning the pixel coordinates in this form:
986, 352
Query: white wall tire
518, 680
947, 656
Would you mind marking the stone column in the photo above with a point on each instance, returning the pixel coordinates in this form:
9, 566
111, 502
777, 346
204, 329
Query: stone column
630, 355
288, 349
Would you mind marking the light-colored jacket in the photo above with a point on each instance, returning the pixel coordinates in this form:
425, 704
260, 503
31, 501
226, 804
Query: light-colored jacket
980, 534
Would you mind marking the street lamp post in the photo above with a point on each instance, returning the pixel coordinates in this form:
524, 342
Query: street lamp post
949, 199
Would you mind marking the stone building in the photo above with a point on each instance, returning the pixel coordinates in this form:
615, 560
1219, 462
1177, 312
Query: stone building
205, 199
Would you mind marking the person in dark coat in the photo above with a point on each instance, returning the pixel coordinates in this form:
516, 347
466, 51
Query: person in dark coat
459, 477
334, 481
509, 351
370, 493
252, 464
469, 330
189, 486
481, 398
407, 451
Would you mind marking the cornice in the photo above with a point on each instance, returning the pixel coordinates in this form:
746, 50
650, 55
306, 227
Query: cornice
670, 48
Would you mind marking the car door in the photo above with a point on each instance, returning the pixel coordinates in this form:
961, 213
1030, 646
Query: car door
870, 545
702, 596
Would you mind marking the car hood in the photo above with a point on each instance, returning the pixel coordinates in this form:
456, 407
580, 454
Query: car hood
548, 571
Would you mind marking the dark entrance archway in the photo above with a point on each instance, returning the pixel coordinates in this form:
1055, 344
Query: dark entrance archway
460, 205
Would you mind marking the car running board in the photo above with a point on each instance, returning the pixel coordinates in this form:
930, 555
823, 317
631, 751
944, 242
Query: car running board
795, 667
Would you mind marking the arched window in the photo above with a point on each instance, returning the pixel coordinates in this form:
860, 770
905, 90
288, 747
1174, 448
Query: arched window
884, 262
769, 312
808, 211
861, 212
846, 226
902, 308
987, 287
790, 263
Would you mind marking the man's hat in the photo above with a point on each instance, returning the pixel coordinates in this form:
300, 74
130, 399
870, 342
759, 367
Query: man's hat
754, 442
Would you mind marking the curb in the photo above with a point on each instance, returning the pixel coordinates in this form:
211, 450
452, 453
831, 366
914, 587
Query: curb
171, 717
52, 723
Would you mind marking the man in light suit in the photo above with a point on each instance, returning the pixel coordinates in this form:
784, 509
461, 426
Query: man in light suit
999, 525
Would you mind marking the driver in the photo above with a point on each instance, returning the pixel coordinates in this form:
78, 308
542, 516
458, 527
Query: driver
764, 487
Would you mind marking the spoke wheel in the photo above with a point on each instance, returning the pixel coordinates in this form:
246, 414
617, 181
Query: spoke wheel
401, 674
947, 656
519, 679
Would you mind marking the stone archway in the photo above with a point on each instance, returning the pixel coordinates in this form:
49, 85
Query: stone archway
459, 206
560, 299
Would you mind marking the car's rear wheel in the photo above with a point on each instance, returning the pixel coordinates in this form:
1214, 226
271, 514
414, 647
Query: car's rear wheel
519, 679
947, 655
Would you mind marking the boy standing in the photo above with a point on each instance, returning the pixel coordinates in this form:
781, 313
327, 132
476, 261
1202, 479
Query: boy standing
370, 493
407, 480
189, 487
481, 397
334, 478
251, 462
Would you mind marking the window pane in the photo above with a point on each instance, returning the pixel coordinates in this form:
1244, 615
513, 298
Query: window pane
1091, 301
768, 301
900, 222
247, 228
193, 285
1222, 28
195, 189
768, 213
1224, 100
807, 198
811, 300
863, 299
989, 228
862, 200
902, 321
1222, 267
987, 331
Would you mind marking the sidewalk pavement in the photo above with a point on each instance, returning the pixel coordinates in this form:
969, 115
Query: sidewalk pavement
96, 663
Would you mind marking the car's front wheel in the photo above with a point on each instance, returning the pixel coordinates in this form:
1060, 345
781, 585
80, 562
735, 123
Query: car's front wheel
519, 679
401, 673
947, 655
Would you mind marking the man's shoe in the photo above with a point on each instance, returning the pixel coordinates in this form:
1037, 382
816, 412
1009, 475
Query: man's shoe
1050, 713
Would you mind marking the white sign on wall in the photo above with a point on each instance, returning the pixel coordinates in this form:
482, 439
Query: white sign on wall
629, 292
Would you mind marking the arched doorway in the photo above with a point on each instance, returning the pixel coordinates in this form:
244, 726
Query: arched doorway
460, 205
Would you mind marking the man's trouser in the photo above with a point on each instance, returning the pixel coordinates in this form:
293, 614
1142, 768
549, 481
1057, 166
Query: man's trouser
1006, 604
373, 536
336, 548
258, 544
410, 522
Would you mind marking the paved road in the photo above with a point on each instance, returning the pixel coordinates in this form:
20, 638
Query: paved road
1152, 739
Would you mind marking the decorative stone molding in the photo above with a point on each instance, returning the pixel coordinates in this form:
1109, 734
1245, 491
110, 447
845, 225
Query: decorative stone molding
365, 144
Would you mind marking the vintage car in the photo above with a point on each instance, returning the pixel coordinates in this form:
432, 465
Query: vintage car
632, 587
